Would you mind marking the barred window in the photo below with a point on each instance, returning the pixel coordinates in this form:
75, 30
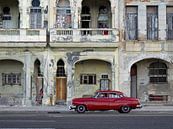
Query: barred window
11, 79
158, 72
88, 79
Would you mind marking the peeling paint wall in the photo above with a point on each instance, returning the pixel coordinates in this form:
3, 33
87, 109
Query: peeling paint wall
90, 67
11, 94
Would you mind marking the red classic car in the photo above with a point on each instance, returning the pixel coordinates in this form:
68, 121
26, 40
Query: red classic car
106, 100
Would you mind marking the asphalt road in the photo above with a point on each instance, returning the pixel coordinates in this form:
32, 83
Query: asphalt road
90, 120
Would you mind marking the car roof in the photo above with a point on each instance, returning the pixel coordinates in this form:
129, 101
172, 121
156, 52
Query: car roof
109, 91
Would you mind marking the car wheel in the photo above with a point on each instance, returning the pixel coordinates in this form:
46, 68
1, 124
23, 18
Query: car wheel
125, 109
81, 109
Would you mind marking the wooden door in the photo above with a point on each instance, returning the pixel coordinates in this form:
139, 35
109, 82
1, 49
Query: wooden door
61, 89
134, 81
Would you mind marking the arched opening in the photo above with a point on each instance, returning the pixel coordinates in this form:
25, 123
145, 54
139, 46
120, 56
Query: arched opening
96, 14
60, 69
61, 83
133, 74
91, 75
63, 14
37, 91
10, 16
35, 15
11, 82
150, 80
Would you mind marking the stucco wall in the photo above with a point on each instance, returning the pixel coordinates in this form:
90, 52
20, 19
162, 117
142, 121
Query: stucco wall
143, 84
10, 94
90, 67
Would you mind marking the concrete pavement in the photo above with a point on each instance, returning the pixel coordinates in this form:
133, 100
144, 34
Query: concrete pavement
64, 108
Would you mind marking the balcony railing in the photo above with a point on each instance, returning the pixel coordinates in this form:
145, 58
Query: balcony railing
22, 35
84, 35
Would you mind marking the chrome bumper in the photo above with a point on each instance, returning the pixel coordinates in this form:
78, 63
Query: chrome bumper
71, 107
139, 106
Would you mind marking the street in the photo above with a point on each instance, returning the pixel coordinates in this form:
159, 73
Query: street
89, 120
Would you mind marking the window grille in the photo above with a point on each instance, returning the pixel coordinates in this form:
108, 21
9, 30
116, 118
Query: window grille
88, 79
11, 78
158, 72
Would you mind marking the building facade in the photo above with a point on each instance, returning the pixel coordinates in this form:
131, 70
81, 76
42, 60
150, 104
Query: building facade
54, 50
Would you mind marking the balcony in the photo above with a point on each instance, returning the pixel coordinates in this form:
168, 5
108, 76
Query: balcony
22, 37
100, 36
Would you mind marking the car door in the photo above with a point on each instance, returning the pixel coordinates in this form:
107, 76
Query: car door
114, 101
101, 102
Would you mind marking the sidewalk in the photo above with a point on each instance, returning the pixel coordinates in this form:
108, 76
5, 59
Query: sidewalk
64, 108
59, 108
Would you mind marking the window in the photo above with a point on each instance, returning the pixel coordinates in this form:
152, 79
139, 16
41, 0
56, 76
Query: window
11, 79
6, 18
114, 95
35, 3
169, 17
158, 72
85, 20
104, 76
103, 17
35, 15
88, 79
60, 69
152, 23
63, 14
131, 23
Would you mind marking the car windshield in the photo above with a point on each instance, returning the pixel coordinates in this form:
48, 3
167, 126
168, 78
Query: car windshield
95, 95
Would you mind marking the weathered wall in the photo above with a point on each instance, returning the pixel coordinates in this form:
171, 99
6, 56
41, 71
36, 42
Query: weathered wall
145, 87
13, 93
90, 67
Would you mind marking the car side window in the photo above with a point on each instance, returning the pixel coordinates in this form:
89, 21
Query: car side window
102, 95
114, 95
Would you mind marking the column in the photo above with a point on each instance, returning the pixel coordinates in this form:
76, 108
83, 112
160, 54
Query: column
162, 21
70, 83
24, 13
51, 13
115, 14
114, 87
142, 22
27, 69
48, 85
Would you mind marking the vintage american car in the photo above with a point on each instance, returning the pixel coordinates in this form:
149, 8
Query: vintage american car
105, 100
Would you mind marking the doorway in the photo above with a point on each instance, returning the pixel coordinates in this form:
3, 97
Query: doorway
133, 74
61, 83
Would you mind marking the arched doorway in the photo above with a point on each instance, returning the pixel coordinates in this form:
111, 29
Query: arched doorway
38, 79
133, 75
61, 83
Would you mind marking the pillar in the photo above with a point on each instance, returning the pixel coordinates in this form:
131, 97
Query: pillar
27, 69
70, 83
